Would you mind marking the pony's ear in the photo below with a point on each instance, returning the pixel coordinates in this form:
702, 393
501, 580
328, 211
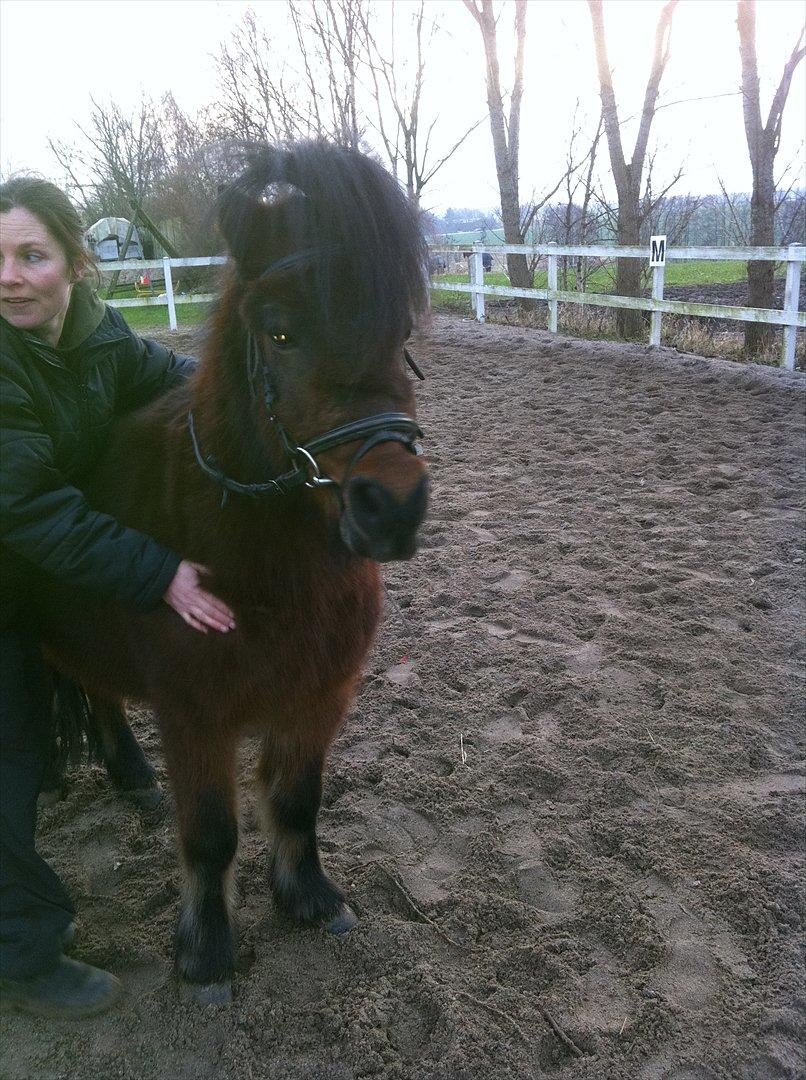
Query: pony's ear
237, 208
244, 215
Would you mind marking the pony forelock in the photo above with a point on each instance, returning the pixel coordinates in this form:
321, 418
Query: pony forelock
364, 264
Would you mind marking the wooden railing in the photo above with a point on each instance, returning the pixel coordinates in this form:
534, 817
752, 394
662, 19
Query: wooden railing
789, 317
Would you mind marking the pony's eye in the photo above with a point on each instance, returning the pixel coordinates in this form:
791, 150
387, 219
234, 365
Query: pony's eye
281, 339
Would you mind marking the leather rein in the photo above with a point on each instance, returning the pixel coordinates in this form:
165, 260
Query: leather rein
305, 470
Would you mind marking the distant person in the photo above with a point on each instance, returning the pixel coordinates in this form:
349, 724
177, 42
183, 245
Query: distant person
486, 260
69, 365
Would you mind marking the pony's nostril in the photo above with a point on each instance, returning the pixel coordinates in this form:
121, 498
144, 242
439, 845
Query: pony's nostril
378, 525
368, 500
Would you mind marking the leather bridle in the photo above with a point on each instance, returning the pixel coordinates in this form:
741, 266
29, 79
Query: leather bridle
305, 470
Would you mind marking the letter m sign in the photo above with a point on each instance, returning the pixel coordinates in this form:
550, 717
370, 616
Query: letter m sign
657, 251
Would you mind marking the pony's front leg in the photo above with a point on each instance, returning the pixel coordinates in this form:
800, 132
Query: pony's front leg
202, 770
290, 790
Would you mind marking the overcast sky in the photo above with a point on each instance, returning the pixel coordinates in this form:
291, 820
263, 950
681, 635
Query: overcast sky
56, 53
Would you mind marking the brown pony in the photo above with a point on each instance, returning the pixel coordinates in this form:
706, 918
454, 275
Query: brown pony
289, 466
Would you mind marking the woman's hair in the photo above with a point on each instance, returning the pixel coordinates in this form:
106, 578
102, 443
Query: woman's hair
51, 206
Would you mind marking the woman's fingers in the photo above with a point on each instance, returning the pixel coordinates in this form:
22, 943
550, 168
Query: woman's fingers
211, 616
197, 607
216, 609
193, 622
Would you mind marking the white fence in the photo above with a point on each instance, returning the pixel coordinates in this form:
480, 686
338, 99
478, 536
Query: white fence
170, 297
790, 318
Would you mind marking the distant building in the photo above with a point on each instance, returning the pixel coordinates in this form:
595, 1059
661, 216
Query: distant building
105, 239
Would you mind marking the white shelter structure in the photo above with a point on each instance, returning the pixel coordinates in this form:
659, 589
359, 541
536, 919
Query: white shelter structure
105, 239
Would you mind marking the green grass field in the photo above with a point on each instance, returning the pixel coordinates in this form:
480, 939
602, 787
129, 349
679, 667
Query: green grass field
141, 320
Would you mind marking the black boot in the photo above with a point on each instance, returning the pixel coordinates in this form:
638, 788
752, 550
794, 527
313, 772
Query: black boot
68, 991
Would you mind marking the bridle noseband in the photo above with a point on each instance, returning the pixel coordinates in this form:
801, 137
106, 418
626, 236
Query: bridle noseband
305, 470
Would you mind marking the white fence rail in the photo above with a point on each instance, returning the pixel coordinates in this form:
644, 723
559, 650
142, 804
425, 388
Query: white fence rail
790, 318
169, 298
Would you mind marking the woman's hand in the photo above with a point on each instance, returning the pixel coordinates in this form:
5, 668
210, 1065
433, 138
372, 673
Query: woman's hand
197, 607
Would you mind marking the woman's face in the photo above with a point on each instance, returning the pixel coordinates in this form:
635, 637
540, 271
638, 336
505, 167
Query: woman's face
35, 278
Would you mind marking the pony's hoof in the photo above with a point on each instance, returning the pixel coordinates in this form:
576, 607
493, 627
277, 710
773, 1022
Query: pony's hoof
207, 994
344, 920
145, 798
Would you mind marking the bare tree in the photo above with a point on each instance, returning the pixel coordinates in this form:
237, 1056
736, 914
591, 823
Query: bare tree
198, 163
763, 141
571, 222
122, 157
408, 147
670, 216
735, 212
335, 30
628, 175
161, 168
790, 217
256, 102
505, 127
312, 92
118, 155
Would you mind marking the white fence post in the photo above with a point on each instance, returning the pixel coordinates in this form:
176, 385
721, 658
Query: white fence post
169, 292
552, 286
791, 298
477, 278
657, 294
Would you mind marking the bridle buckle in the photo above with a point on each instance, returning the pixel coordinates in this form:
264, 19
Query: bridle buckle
315, 478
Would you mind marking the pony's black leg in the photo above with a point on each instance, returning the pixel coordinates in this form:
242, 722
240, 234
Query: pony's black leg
126, 764
291, 791
69, 726
202, 771
54, 784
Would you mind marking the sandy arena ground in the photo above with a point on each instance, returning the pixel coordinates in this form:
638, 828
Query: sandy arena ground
568, 804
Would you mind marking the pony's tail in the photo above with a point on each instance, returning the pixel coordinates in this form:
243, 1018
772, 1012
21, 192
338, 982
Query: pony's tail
74, 734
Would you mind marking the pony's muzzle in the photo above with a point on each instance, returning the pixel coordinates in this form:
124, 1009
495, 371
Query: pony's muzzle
378, 525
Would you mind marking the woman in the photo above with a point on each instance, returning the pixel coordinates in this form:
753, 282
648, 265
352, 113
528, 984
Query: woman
69, 365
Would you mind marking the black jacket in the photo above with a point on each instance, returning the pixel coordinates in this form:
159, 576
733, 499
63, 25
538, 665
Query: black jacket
57, 406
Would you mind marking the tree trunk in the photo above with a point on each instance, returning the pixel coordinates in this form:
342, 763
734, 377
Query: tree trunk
629, 324
113, 284
762, 143
159, 236
517, 265
627, 175
505, 131
759, 337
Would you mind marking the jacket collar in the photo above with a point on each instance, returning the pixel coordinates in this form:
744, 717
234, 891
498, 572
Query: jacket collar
84, 315
88, 324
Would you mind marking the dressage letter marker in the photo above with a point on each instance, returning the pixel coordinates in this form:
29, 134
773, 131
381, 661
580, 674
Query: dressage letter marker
657, 251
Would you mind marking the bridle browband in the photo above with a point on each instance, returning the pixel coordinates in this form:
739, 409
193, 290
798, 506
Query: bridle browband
305, 470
